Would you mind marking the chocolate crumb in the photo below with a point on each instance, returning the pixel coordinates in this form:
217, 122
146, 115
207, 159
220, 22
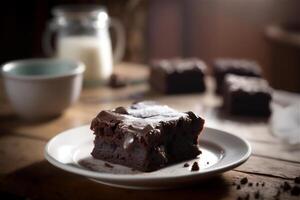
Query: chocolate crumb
250, 184
186, 165
108, 165
256, 195
263, 184
121, 110
207, 163
257, 184
238, 187
295, 191
286, 186
195, 167
297, 180
244, 181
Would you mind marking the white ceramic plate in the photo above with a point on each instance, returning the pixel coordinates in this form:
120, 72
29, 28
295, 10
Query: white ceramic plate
221, 151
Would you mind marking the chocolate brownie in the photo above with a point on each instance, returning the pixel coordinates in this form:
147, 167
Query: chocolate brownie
246, 96
241, 67
176, 76
146, 136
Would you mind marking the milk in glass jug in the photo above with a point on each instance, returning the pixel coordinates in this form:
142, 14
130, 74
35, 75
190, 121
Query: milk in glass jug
82, 33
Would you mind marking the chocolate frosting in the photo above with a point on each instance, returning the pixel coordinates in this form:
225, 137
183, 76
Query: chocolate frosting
180, 65
247, 84
142, 120
224, 64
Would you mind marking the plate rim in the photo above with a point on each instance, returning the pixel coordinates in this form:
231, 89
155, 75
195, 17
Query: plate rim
133, 177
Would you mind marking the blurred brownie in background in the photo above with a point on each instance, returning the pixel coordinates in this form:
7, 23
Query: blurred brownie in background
241, 67
249, 96
176, 76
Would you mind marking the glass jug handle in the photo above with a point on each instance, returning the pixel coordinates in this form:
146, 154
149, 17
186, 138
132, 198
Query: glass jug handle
119, 49
46, 41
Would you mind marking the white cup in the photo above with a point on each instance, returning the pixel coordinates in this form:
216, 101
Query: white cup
42, 88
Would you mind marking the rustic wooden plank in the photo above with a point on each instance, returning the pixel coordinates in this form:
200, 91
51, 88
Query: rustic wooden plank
266, 186
270, 167
280, 151
45, 129
43, 181
26, 174
17, 152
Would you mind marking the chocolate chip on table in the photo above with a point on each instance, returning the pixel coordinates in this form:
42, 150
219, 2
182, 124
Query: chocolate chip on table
195, 167
295, 191
297, 180
244, 181
250, 184
186, 165
286, 186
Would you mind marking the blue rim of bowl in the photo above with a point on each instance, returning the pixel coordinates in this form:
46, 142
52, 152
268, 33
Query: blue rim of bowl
79, 69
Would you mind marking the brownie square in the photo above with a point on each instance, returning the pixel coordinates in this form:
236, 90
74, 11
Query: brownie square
247, 96
242, 67
146, 136
176, 76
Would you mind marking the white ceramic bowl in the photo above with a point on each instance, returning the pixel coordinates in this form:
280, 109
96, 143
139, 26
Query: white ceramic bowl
41, 88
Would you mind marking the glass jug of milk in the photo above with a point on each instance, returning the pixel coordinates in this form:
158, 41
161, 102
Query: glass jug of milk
82, 34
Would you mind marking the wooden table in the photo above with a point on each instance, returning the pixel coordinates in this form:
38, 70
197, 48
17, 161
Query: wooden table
25, 174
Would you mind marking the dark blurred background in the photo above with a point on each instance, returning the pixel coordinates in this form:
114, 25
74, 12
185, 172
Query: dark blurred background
173, 28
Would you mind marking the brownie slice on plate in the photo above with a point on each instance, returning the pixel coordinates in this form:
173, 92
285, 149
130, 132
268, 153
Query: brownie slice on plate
247, 96
146, 136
